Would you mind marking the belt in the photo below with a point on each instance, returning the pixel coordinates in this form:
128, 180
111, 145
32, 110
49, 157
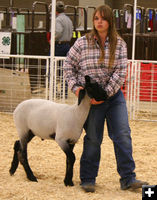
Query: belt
62, 42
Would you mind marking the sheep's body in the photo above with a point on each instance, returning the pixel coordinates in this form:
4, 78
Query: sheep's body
50, 120
45, 118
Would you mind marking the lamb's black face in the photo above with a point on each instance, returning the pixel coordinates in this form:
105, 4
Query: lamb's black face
94, 90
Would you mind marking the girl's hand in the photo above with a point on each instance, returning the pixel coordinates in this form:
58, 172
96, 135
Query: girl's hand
78, 90
94, 102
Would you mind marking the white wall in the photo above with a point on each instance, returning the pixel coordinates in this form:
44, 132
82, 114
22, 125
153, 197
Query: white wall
91, 2
85, 3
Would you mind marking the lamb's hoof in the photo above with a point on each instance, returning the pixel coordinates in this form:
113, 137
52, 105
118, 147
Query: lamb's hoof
68, 183
11, 172
33, 178
12, 169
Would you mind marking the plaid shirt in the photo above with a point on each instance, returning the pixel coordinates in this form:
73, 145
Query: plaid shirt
82, 60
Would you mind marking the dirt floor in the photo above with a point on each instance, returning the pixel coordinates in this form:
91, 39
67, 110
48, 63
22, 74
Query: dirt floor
48, 163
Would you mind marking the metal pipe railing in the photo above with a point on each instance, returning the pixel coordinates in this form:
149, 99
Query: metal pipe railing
47, 14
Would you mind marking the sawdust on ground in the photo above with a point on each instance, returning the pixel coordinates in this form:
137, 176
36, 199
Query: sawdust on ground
48, 164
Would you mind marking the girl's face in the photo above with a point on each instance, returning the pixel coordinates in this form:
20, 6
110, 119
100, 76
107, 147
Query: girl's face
100, 23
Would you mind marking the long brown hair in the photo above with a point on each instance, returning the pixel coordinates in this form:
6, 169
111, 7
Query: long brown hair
105, 12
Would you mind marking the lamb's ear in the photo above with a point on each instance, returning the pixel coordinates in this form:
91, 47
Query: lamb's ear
87, 79
81, 95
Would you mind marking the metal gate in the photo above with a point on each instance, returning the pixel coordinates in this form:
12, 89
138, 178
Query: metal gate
25, 80
141, 89
35, 78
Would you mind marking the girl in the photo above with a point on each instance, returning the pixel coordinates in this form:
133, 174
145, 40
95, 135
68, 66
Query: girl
102, 54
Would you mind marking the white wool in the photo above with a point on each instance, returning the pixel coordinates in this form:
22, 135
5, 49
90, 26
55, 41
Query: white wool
44, 118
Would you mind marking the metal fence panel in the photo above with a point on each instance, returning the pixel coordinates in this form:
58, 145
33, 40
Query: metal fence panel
20, 81
35, 78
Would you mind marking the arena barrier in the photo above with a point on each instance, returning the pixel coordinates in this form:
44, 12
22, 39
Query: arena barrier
35, 78
141, 90
22, 80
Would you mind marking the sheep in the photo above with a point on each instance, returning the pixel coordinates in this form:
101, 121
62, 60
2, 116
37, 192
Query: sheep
50, 120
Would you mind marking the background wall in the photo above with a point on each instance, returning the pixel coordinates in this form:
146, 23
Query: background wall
91, 2
144, 3
113, 3
28, 3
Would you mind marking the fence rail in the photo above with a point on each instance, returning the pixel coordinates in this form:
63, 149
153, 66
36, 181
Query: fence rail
22, 80
141, 90
35, 78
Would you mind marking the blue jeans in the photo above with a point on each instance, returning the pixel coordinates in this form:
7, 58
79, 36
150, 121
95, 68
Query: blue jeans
62, 49
114, 111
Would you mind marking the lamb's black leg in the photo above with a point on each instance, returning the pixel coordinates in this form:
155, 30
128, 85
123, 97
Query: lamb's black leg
22, 155
70, 160
15, 160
